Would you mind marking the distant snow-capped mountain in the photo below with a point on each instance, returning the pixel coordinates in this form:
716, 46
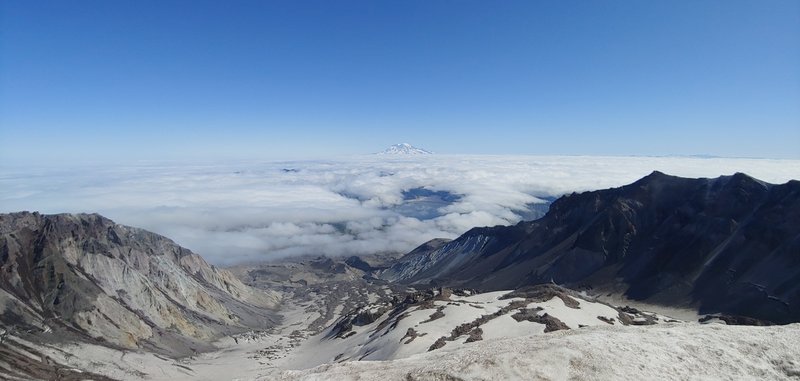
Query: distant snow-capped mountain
404, 149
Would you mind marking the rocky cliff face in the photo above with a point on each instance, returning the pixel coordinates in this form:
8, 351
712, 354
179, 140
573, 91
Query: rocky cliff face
83, 277
730, 245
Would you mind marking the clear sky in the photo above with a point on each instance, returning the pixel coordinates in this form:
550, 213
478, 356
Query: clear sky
130, 80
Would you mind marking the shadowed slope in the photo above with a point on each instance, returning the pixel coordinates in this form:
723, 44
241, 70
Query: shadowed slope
730, 244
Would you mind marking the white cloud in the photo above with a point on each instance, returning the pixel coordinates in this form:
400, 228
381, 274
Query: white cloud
234, 212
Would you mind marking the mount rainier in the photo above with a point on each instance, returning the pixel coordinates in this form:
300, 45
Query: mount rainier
404, 149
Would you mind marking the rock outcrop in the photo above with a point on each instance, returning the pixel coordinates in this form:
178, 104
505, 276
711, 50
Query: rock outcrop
81, 277
726, 245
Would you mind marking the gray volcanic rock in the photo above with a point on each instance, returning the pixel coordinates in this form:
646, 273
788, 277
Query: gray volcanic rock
84, 278
726, 245
415, 261
324, 286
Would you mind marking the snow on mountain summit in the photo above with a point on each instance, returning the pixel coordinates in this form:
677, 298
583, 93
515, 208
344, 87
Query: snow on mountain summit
404, 149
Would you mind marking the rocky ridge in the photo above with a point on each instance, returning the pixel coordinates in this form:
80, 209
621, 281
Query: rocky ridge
726, 245
81, 277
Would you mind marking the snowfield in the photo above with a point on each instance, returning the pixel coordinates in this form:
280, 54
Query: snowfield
510, 349
667, 351
387, 338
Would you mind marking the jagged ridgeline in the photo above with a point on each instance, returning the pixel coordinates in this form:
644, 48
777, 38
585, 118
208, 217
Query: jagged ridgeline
84, 278
724, 245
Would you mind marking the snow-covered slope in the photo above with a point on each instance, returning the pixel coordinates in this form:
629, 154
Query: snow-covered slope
404, 149
433, 321
509, 349
665, 352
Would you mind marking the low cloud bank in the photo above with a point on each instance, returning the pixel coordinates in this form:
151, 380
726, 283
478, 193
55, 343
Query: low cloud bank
236, 212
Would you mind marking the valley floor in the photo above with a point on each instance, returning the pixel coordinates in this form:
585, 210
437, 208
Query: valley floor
670, 351
679, 351
664, 351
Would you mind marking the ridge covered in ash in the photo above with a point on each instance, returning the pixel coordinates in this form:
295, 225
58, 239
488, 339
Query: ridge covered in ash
83, 278
725, 245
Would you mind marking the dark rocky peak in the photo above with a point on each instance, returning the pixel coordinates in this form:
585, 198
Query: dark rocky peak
328, 265
727, 196
430, 245
728, 244
739, 184
656, 176
357, 263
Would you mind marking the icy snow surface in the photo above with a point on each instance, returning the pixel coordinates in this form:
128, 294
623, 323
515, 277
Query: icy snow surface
510, 350
681, 351
385, 339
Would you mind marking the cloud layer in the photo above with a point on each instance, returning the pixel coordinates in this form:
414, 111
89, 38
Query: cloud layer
237, 212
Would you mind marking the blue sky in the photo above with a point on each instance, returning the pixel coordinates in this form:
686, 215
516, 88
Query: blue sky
132, 80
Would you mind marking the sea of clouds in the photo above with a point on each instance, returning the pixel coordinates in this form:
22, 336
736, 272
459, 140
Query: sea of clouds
234, 212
